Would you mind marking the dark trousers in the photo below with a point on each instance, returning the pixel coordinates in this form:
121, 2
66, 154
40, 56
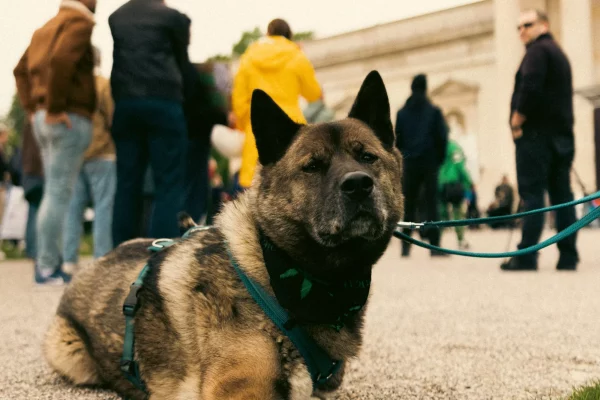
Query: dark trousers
148, 130
196, 178
500, 212
544, 161
419, 176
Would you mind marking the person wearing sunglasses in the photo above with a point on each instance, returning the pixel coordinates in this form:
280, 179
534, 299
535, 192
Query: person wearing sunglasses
542, 128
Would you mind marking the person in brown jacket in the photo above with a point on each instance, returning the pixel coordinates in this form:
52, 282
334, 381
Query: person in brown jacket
96, 183
55, 83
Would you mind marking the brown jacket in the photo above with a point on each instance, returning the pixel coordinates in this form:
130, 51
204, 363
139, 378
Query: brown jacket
56, 73
102, 145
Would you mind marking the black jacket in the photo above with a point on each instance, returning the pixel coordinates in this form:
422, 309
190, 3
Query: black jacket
543, 87
421, 131
204, 106
150, 50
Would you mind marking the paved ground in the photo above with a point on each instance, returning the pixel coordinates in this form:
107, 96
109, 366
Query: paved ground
443, 329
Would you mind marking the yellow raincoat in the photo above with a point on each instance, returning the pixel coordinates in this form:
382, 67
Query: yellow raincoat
280, 68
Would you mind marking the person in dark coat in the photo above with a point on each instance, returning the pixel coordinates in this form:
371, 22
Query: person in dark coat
542, 126
149, 126
504, 199
204, 107
422, 138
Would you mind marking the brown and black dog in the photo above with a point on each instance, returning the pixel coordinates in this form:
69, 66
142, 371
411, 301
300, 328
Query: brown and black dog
320, 213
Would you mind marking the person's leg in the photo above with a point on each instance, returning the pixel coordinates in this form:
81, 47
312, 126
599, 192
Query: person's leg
167, 144
74, 222
459, 214
196, 179
532, 174
132, 158
30, 236
431, 194
533, 157
102, 177
559, 190
62, 152
410, 186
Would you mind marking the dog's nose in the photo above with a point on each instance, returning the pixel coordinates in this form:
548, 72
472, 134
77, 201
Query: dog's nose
357, 185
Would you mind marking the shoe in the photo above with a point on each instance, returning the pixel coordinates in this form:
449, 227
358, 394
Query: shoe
69, 268
436, 253
567, 264
464, 245
58, 278
514, 264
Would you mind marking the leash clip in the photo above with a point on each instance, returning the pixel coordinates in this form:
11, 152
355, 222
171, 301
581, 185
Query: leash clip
410, 225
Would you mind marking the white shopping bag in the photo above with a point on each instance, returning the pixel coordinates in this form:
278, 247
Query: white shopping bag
229, 142
14, 221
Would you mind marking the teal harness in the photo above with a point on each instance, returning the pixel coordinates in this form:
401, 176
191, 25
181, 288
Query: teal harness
320, 365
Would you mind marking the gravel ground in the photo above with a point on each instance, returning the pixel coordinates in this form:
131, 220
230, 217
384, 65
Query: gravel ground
455, 328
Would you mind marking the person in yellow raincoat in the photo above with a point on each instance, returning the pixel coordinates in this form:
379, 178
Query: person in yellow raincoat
278, 66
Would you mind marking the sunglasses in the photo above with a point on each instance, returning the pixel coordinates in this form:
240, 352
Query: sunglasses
526, 25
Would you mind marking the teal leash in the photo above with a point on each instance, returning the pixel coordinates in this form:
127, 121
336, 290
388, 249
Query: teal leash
320, 365
586, 220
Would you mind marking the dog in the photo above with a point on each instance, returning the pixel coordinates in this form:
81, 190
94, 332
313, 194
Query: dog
320, 213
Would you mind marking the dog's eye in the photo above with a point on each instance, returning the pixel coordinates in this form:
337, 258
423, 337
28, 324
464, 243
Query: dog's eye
368, 158
313, 166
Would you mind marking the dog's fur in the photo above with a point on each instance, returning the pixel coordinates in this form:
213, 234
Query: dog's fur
199, 333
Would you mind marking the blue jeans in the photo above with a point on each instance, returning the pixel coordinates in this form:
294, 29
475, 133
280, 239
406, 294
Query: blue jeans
30, 231
196, 178
62, 152
148, 130
97, 183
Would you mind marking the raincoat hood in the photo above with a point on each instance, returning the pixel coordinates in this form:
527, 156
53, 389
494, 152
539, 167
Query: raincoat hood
272, 52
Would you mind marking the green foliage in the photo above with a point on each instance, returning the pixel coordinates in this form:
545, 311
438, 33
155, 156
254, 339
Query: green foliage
15, 120
591, 392
246, 40
303, 36
219, 58
248, 37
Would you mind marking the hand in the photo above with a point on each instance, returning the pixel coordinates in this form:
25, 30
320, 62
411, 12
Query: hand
517, 133
517, 119
231, 120
60, 118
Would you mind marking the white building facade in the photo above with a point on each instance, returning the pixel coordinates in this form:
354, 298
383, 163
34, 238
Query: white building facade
470, 55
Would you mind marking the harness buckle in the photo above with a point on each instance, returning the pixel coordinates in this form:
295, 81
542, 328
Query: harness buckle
160, 244
130, 306
335, 367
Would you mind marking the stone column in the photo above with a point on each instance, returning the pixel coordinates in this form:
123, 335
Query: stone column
576, 31
497, 149
576, 40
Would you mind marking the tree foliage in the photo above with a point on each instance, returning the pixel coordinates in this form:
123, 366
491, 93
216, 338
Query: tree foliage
249, 37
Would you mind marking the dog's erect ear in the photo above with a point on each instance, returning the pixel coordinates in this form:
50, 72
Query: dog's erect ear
272, 128
372, 107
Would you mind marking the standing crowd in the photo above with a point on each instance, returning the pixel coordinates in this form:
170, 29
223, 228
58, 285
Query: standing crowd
104, 142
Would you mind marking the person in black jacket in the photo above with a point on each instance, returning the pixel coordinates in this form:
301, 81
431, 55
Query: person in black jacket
147, 81
421, 137
542, 126
204, 107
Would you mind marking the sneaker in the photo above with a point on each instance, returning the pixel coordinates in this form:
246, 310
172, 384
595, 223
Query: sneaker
464, 245
69, 268
515, 264
436, 253
58, 278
